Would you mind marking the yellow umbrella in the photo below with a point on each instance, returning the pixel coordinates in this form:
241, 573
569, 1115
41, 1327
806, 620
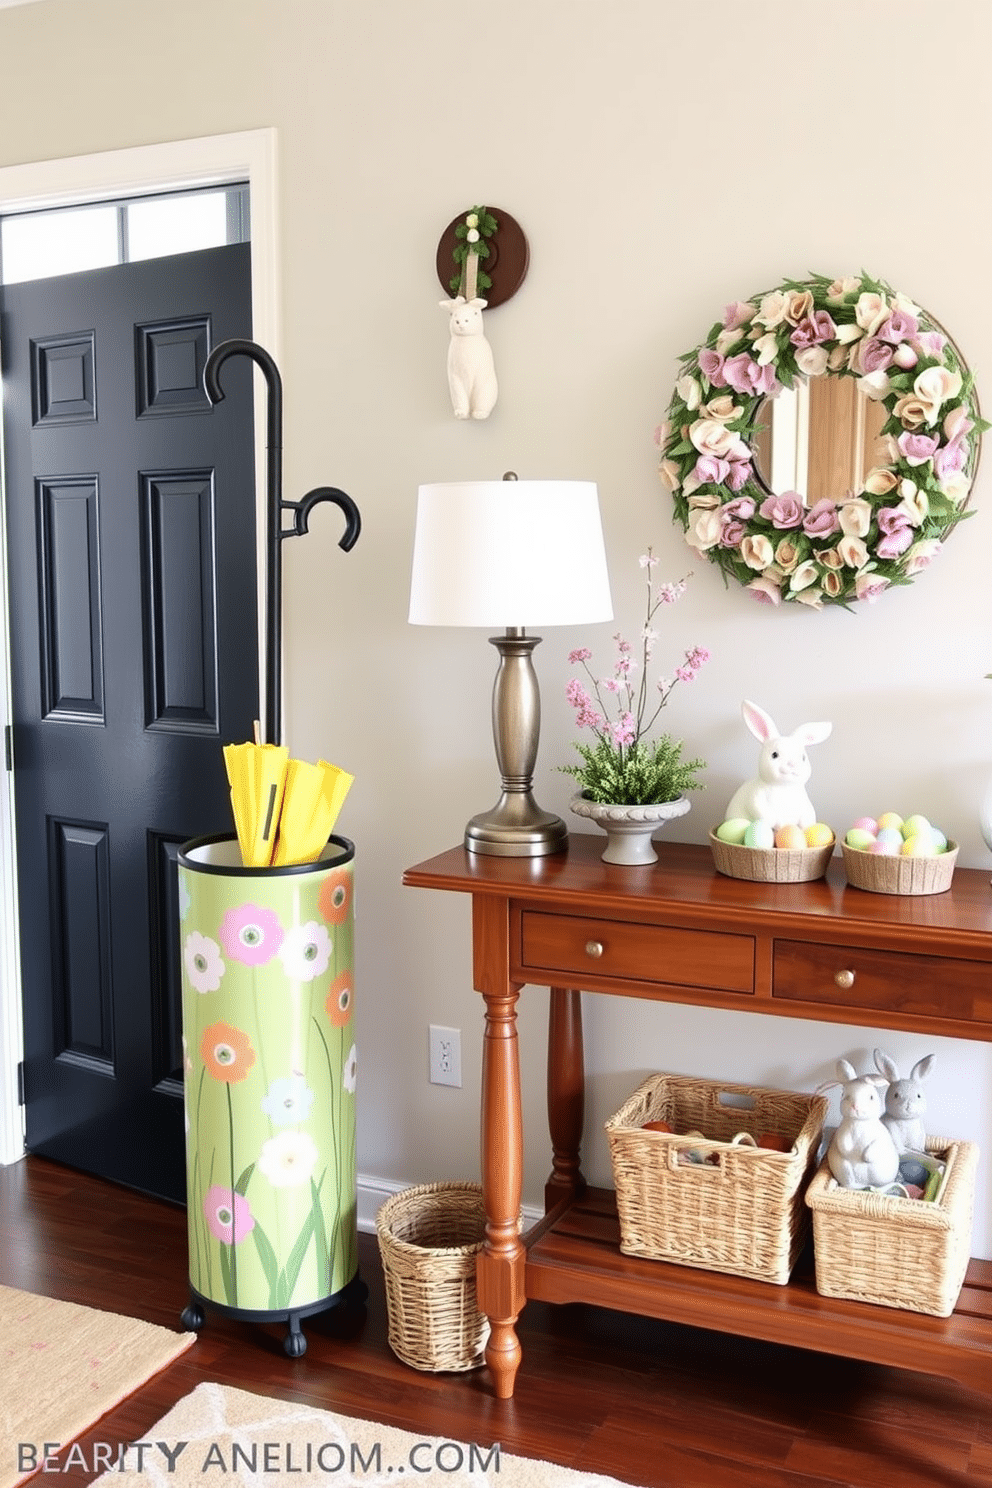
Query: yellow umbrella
257, 776
313, 798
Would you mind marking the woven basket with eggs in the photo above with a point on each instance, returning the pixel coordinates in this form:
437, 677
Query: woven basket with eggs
792, 858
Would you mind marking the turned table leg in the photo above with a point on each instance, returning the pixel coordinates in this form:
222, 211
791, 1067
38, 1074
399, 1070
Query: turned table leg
500, 1267
566, 1095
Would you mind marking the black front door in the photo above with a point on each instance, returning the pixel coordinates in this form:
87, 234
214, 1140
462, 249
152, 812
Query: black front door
132, 578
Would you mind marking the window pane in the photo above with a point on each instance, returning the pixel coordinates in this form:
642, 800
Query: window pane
176, 224
37, 246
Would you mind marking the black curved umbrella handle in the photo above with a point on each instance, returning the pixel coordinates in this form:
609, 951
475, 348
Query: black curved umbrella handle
274, 509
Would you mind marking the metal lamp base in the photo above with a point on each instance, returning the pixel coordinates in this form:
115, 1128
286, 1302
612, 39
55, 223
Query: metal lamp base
516, 827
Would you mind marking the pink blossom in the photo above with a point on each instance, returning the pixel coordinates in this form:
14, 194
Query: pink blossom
737, 314
740, 474
890, 519
624, 731
813, 329
582, 654
732, 534
647, 560
711, 366
669, 593
576, 693
874, 355
711, 470
741, 509
783, 511
821, 520
764, 591
899, 327
917, 449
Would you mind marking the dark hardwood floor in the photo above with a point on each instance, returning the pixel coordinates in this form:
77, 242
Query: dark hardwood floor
650, 1403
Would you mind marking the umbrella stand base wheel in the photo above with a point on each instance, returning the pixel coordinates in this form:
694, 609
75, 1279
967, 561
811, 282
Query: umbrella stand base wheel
194, 1316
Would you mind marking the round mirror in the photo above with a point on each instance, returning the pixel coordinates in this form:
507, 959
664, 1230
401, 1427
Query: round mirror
821, 444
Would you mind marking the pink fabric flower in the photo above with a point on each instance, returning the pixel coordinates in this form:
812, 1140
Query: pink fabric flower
741, 509
899, 327
874, 355
821, 520
952, 458
250, 934
813, 329
930, 343
711, 366
917, 449
732, 534
737, 314
711, 470
783, 511
894, 542
957, 423
764, 591
739, 475
744, 375
869, 586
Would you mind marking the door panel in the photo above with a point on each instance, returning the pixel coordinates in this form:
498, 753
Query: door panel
131, 540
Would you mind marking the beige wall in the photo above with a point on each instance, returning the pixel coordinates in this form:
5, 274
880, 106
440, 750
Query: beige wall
663, 159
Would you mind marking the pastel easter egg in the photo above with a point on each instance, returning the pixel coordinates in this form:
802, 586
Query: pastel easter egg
790, 837
857, 837
914, 825
890, 819
881, 848
866, 824
920, 845
889, 841
733, 829
939, 840
819, 835
759, 834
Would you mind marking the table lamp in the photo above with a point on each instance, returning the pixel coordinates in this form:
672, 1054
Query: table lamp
511, 553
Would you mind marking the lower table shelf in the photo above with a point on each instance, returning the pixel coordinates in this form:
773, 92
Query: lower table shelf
573, 1255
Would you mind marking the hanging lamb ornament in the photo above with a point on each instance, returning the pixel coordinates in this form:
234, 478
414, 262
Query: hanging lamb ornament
490, 255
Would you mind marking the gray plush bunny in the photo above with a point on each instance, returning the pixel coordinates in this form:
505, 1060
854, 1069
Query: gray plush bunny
905, 1102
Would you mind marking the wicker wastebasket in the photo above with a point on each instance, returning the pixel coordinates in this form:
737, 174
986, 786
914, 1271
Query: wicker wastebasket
429, 1237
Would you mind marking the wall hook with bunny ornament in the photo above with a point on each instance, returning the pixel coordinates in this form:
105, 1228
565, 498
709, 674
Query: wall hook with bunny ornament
490, 255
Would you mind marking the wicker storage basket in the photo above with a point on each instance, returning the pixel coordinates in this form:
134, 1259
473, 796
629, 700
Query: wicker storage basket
882, 874
897, 1252
771, 864
429, 1237
743, 1214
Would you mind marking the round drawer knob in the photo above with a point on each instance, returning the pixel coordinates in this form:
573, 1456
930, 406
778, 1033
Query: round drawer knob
594, 948
844, 979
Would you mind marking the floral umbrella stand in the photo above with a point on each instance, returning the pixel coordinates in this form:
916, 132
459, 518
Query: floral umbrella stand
268, 1036
269, 1049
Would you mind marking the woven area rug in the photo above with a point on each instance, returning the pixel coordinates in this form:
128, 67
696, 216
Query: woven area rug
220, 1435
62, 1367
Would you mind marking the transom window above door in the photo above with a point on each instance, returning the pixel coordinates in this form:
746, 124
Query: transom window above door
67, 240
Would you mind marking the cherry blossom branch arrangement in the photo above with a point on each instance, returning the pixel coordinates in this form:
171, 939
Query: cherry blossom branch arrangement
841, 550
621, 767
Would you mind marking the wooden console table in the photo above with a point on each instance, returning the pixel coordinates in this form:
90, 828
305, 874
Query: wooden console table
680, 932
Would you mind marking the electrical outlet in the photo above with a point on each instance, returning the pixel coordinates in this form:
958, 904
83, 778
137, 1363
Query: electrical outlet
445, 1055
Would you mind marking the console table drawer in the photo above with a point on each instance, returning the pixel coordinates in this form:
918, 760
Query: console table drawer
574, 946
892, 981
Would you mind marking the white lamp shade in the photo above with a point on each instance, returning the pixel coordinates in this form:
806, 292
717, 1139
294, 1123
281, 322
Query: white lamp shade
509, 553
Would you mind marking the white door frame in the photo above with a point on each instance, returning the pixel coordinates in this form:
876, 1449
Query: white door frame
212, 160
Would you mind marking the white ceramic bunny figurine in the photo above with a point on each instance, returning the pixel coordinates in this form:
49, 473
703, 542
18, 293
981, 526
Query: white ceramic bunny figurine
905, 1102
862, 1153
777, 795
471, 370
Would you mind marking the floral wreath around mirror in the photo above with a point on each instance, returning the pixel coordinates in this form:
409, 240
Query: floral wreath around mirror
834, 551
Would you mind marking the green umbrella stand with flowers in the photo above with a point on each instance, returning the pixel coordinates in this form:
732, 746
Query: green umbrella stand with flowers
629, 786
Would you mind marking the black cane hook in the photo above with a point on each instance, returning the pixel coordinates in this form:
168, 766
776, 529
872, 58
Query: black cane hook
274, 508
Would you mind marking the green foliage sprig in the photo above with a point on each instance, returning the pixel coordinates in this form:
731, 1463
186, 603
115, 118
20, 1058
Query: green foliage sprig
479, 225
642, 775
